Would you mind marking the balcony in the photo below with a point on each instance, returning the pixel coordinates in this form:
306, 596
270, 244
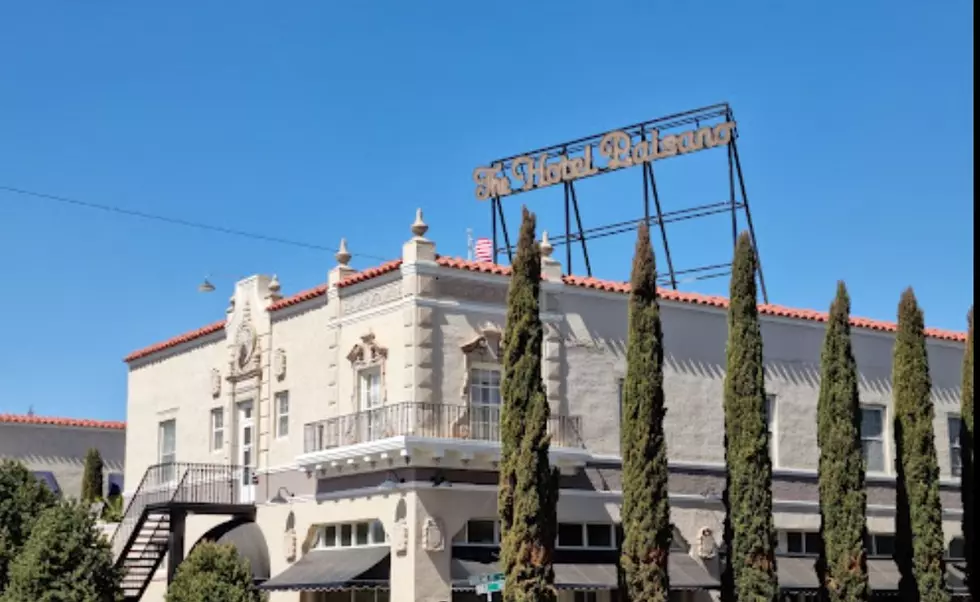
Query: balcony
436, 428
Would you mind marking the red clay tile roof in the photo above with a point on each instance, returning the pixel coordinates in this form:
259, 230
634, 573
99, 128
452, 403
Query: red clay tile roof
177, 340
580, 281
310, 293
52, 421
384, 268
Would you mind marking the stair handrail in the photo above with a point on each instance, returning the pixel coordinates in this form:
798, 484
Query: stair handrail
137, 504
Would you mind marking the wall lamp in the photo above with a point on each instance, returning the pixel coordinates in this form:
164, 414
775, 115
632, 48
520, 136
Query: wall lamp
279, 499
392, 481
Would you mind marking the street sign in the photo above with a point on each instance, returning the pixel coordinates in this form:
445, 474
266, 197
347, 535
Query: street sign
487, 578
489, 588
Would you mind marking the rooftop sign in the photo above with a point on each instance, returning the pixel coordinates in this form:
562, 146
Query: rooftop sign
615, 150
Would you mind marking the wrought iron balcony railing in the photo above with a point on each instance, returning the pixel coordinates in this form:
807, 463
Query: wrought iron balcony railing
182, 483
431, 420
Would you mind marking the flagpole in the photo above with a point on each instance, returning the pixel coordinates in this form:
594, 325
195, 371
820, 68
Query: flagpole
469, 244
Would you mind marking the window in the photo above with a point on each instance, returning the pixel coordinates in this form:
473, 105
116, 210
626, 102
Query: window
571, 535
586, 597
880, 545
589, 535
48, 479
282, 414
369, 395
957, 549
480, 532
771, 425
347, 535
217, 429
168, 442
873, 438
803, 543
115, 484
485, 403
953, 426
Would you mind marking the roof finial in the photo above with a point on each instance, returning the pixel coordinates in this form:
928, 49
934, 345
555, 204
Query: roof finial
274, 286
343, 256
546, 247
419, 227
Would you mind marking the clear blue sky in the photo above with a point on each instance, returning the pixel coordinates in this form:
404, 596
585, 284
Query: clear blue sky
317, 120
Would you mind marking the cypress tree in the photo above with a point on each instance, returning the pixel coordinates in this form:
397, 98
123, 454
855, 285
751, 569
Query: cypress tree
919, 527
92, 479
528, 495
646, 510
967, 483
843, 562
750, 535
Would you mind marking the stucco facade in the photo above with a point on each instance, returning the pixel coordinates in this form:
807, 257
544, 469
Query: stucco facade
362, 405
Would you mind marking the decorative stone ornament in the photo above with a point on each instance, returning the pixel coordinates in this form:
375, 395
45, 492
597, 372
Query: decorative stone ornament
343, 255
419, 227
215, 383
280, 363
399, 537
433, 539
483, 348
289, 545
707, 548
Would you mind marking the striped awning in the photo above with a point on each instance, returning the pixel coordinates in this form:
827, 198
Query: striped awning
325, 570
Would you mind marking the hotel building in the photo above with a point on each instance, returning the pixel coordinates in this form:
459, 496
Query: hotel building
346, 438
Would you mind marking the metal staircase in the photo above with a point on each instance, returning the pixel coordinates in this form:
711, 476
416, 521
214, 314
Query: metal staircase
152, 525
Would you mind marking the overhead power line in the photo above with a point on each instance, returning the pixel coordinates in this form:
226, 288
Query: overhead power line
176, 221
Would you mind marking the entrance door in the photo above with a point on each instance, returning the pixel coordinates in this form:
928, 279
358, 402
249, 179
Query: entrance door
246, 446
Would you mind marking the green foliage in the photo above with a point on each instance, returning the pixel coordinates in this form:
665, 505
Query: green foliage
968, 484
646, 510
528, 493
22, 499
65, 558
92, 479
112, 511
843, 564
919, 528
749, 532
213, 573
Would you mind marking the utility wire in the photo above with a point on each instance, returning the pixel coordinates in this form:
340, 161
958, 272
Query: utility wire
178, 221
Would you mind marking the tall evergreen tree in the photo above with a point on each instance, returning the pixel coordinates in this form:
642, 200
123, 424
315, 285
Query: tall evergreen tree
843, 500
646, 510
92, 478
750, 535
919, 527
967, 477
528, 496
22, 499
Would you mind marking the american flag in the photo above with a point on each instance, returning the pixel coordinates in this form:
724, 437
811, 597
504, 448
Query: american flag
483, 250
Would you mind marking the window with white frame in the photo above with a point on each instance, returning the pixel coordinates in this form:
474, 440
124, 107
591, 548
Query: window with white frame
282, 414
873, 438
953, 426
369, 399
802, 543
771, 417
880, 545
485, 402
217, 429
351, 535
167, 449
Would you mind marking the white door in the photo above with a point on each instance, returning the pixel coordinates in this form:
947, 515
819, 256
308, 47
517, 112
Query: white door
246, 446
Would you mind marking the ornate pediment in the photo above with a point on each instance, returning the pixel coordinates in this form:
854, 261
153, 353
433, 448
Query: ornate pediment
486, 343
367, 352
